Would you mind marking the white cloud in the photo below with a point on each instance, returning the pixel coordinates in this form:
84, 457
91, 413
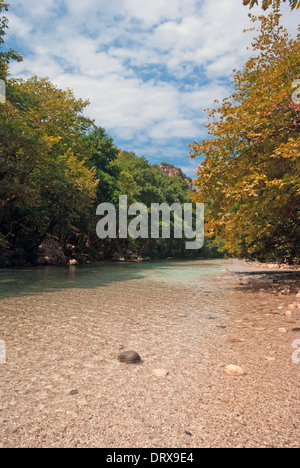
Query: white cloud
149, 68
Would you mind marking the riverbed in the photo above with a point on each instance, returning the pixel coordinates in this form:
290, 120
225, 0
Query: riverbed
64, 328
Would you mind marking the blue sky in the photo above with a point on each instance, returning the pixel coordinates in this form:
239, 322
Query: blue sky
149, 68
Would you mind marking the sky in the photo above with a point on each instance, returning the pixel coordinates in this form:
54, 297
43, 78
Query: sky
149, 68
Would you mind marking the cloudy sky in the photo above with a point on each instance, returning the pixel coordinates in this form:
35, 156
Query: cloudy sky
149, 67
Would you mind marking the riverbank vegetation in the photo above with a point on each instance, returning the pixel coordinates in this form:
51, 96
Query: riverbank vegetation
57, 166
251, 170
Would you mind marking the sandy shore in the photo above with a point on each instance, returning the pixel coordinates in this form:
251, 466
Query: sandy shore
63, 386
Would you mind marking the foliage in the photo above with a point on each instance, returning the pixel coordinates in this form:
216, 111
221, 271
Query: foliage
145, 183
5, 56
56, 166
102, 155
250, 175
150, 184
294, 4
45, 183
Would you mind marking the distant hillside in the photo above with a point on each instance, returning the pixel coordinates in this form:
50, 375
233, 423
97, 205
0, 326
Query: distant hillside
173, 171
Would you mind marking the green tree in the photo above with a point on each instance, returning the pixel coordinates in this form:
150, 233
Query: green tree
151, 185
251, 171
45, 184
147, 184
10, 55
103, 153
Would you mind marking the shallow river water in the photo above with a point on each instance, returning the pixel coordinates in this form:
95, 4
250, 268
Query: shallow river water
63, 386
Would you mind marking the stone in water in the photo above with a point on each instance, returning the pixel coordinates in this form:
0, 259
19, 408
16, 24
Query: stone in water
130, 357
234, 371
160, 373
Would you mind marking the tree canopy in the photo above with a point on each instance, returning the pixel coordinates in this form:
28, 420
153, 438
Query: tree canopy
251, 171
56, 166
10, 55
45, 182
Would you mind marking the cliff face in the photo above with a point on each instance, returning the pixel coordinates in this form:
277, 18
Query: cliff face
173, 171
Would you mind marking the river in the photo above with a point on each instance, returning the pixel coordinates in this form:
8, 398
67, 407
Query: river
63, 386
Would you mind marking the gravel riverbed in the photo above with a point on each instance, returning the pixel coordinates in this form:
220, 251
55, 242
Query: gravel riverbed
63, 386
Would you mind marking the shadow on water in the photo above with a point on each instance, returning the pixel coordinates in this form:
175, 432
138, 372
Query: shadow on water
36, 280
266, 279
273, 274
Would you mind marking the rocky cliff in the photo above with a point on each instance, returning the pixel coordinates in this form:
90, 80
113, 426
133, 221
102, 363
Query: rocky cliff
173, 171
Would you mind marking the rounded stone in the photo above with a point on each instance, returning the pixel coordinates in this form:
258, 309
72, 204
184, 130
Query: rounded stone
130, 357
234, 371
160, 373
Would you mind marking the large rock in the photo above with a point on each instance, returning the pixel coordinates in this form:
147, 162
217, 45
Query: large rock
51, 253
173, 171
117, 258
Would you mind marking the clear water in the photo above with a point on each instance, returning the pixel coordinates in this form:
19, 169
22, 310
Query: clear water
63, 329
37, 280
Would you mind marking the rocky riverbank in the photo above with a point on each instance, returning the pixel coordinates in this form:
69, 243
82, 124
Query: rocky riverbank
51, 252
281, 280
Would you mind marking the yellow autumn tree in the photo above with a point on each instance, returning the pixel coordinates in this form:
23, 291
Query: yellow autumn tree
250, 174
294, 4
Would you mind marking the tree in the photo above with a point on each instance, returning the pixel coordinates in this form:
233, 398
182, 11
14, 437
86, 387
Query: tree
103, 153
56, 166
5, 56
295, 4
45, 184
251, 171
147, 184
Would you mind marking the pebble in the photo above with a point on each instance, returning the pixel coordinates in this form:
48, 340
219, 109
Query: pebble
130, 357
282, 330
73, 262
234, 371
160, 373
